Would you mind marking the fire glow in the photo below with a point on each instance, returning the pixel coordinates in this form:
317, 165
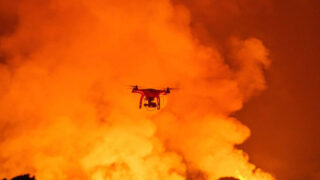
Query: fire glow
66, 114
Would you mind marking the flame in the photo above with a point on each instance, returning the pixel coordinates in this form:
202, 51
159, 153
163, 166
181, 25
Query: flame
66, 113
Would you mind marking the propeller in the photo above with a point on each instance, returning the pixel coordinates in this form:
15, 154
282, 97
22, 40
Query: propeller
173, 88
132, 86
169, 89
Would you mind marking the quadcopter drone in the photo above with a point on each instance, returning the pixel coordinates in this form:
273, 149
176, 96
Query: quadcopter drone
148, 96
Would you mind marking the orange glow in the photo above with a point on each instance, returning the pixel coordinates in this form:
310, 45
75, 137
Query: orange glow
66, 113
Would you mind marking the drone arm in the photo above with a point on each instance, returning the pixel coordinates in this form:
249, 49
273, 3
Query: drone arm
138, 91
163, 92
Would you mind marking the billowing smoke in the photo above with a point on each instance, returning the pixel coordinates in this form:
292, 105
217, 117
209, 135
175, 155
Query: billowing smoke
65, 111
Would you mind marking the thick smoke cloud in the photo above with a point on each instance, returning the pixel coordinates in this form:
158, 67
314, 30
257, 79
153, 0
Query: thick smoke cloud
66, 113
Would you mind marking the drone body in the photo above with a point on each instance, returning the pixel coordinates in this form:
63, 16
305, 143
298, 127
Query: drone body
149, 96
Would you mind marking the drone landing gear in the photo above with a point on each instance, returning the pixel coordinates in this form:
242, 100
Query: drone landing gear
158, 100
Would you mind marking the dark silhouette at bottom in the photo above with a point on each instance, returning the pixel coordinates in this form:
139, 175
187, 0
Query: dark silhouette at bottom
23, 177
27, 177
228, 178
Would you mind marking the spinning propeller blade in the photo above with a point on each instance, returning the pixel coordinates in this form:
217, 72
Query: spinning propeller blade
173, 88
132, 86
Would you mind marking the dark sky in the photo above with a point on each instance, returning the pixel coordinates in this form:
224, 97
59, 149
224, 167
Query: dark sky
284, 119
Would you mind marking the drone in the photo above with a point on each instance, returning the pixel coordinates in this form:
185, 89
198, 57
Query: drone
148, 96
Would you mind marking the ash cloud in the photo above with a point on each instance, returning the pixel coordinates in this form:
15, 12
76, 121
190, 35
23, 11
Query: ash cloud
65, 110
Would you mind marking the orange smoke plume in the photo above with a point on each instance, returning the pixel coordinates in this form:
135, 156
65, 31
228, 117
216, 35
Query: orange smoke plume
66, 113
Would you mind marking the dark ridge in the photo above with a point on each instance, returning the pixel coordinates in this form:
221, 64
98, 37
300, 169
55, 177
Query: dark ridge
196, 175
23, 177
228, 178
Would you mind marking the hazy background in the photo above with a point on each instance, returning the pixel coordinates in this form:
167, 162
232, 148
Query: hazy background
284, 119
